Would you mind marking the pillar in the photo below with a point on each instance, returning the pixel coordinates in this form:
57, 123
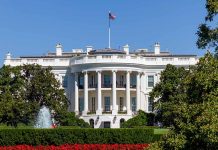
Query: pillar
138, 91
114, 93
85, 93
76, 91
99, 109
128, 92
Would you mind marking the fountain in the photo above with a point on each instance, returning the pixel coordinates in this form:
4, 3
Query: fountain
43, 119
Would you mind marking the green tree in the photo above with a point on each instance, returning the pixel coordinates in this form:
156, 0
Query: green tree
14, 108
42, 88
170, 91
196, 119
207, 35
24, 89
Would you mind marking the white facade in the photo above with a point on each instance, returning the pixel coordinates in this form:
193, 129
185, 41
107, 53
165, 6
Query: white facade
106, 87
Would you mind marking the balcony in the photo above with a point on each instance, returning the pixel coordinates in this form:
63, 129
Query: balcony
106, 85
92, 85
121, 85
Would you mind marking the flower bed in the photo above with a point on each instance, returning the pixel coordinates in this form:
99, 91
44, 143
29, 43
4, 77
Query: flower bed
79, 147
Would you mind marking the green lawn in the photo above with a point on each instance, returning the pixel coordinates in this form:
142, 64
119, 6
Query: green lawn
161, 131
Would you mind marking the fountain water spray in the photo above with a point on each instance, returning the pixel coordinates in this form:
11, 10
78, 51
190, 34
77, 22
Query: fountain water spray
43, 119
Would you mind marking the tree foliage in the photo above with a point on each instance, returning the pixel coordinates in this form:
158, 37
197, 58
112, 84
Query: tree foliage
24, 89
194, 115
169, 92
207, 35
43, 89
14, 108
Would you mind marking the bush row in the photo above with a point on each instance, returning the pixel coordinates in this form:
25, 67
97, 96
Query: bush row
79, 147
76, 136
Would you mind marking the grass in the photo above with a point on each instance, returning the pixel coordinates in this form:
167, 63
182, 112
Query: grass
161, 131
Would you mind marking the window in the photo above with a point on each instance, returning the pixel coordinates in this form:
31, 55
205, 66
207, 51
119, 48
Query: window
107, 103
64, 81
121, 80
133, 104
93, 104
91, 122
107, 80
133, 81
92, 81
81, 81
150, 104
81, 104
121, 103
150, 81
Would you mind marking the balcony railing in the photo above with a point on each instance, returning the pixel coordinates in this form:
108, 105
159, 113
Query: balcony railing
92, 85
106, 85
180, 60
132, 86
121, 85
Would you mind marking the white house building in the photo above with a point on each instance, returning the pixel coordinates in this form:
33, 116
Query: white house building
107, 86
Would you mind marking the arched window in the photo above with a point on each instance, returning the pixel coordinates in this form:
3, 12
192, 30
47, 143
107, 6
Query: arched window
122, 121
91, 122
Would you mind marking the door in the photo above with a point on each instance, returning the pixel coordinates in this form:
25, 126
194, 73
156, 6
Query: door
107, 124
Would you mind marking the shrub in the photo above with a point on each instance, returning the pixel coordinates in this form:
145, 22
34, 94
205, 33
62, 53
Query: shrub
69, 119
78, 147
76, 136
141, 119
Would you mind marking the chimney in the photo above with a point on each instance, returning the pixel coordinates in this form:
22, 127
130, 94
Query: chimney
88, 49
156, 48
8, 55
59, 50
126, 49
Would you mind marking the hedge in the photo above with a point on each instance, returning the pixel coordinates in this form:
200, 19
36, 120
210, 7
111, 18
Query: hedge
76, 136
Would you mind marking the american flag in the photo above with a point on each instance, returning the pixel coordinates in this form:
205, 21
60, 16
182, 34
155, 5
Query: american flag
111, 16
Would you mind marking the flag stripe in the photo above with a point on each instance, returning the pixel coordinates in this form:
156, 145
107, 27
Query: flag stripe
111, 16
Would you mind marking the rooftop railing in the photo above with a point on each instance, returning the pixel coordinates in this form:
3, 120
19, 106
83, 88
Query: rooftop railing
134, 60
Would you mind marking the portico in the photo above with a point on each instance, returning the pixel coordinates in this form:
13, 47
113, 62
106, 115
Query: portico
107, 91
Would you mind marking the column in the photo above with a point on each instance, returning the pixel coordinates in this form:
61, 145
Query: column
76, 91
138, 91
114, 93
99, 109
85, 93
128, 92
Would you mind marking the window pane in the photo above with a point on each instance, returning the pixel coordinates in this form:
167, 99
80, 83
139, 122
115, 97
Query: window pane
107, 103
133, 104
81, 104
133, 81
107, 80
150, 81
150, 104
64, 81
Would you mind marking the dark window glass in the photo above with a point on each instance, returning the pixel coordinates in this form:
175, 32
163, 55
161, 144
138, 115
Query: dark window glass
150, 104
150, 81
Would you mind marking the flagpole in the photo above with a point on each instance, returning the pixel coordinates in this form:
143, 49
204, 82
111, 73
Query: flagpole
109, 32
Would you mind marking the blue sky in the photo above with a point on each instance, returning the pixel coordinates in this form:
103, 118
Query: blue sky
34, 27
